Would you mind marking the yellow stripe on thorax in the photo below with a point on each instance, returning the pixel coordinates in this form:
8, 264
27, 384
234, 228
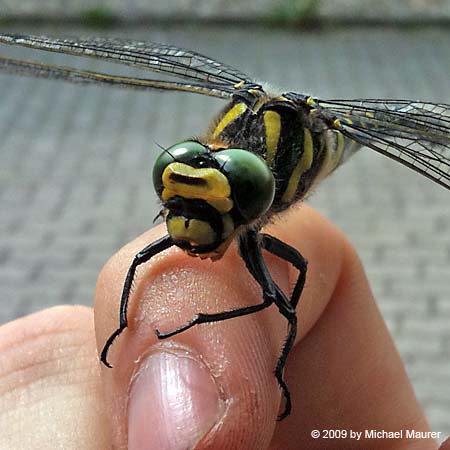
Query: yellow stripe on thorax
302, 166
272, 124
332, 156
339, 149
237, 110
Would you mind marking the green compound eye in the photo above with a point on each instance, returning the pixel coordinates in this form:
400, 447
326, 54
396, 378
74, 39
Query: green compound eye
182, 152
252, 183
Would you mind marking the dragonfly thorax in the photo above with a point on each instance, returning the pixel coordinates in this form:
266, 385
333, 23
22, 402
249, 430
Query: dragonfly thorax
209, 194
294, 141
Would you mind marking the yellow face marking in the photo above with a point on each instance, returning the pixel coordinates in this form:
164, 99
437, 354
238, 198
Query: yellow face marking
310, 101
223, 205
194, 231
207, 184
237, 110
302, 166
272, 124
189, 180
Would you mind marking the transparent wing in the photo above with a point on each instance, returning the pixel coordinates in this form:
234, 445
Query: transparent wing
414, 133
40, 70
199, 70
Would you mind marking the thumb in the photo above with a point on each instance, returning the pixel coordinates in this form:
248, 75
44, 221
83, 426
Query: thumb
213, 385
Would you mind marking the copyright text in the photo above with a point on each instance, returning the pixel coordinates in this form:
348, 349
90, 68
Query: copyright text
374, 434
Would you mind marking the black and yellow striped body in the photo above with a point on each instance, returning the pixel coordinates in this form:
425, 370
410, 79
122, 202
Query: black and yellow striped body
299, 147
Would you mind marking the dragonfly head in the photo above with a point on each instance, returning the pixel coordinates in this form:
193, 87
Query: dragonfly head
208, 194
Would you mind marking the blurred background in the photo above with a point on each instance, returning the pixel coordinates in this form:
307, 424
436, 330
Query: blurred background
75, 162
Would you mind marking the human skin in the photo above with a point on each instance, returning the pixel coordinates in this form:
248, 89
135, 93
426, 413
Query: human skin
211, 387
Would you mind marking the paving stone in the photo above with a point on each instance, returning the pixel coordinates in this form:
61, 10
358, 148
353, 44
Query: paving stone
76, 161
101, 11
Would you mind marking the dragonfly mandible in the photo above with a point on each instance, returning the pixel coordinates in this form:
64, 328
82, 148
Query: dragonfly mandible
262, 153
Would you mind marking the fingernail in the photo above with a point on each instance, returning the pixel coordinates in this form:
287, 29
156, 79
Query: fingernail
174, 402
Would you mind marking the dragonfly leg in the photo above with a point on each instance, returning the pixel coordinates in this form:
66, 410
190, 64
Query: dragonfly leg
288, 309
143, 256
217, 317
281, 363
268, 299
250, 246
291, 255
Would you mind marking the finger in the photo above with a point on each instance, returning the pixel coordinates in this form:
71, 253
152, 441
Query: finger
445, 445
50, 394
345, 374
230, 398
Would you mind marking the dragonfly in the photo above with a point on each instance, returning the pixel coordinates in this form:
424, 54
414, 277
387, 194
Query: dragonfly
263, 152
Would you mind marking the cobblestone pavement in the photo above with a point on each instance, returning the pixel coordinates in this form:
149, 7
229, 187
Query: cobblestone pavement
75, 176
272, 10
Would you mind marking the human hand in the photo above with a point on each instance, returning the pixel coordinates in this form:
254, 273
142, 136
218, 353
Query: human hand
212, 386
